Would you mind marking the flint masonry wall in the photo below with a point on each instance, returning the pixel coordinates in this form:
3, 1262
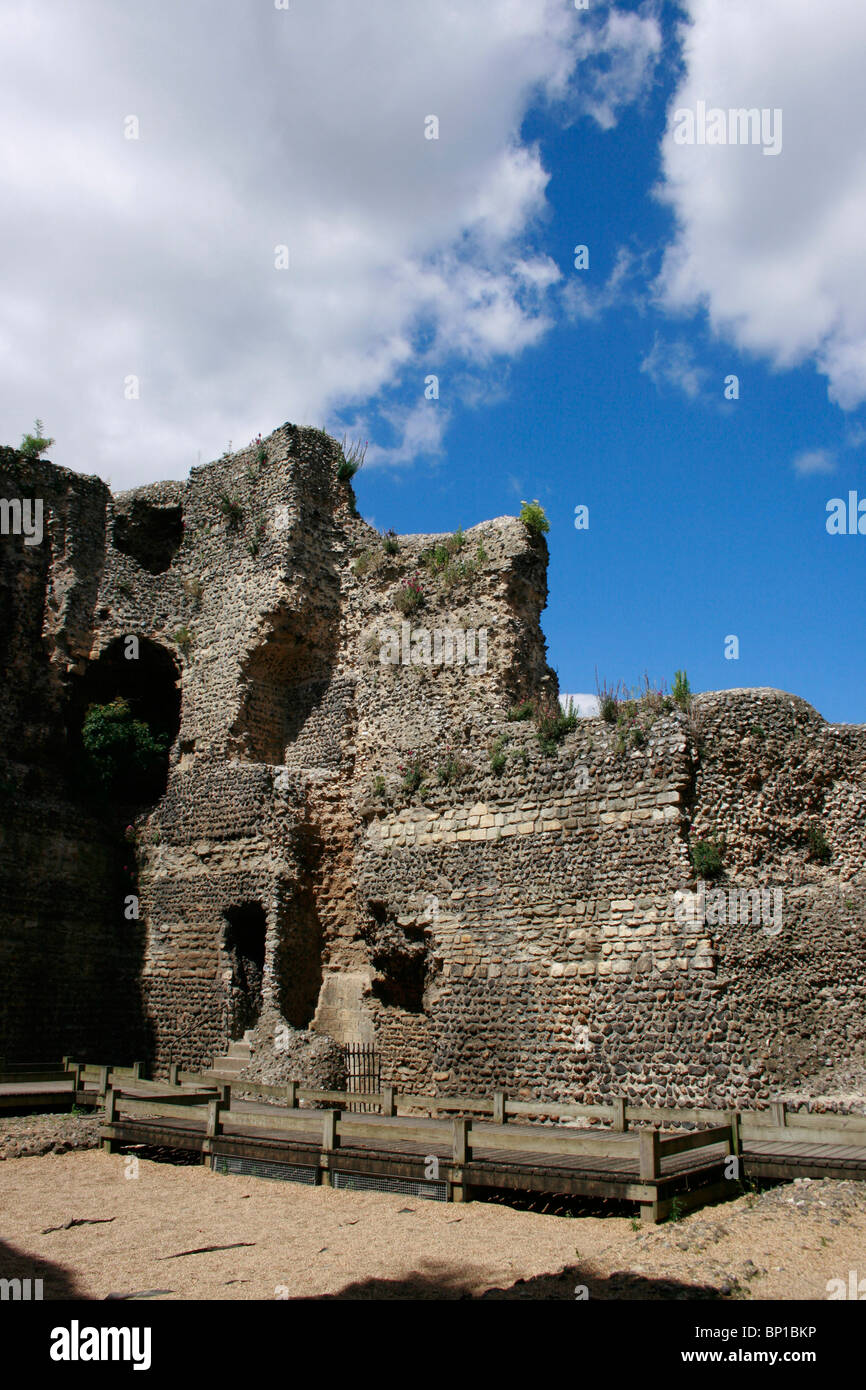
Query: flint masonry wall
69, 969
518, 928
557, 963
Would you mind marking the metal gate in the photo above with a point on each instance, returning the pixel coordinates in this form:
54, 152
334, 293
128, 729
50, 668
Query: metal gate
362, 1074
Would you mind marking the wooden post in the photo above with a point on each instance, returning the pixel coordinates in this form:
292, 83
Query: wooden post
292, 1095
387, 1106
137, 1069
461, 1149
619, 1124
460, 1138
330, 1138
68, 1064
649, 1153
212, 1130
172, 1074
110, 1116
330, 1141
77, 1083
103, 1080
733, 1118
226, 1096
499, 1107
780, 1116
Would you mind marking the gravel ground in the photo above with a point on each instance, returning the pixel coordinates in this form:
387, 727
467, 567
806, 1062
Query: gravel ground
92, 1226
24, 1135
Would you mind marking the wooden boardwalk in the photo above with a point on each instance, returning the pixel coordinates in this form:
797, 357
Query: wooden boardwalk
461, 1145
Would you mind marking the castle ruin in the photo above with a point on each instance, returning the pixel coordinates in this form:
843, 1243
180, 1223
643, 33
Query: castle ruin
369, 849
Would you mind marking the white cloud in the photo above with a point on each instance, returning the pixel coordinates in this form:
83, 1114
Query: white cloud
672, 363
815, 461
420, 429
261, 127
632, 44
773, 247
584, 706
624, 285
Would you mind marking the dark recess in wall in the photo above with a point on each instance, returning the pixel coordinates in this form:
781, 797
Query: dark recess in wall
244, 944
148, 534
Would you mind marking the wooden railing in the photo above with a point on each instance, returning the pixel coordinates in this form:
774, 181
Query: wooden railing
193, 1088
464, 1136
82, 1075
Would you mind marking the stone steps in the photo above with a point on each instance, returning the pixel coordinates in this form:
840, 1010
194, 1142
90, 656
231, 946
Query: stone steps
232, 1062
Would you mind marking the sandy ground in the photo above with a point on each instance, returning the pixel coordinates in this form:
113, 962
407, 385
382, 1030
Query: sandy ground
286, 1240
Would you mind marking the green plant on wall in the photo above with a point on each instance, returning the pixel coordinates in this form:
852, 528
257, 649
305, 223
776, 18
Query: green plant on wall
520, 712
497, 755
682, 691
552, 725
533, 516
352, 460
412, 771
32, 445
708, 858
819, 850
232, 510
121, 750
451, 769
409, 597
184, 639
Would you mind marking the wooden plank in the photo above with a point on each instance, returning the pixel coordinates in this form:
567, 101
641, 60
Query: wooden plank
814, 1126
276, 1119
546, 1139
17, 1100
699, 1139
674, 1115
152, 1108
796, 1134
697, 1197
474, 1105
21, 1078
410, 1130
173, 1099
155, 1136
562, 1111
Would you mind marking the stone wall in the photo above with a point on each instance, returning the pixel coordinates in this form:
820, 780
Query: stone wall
70, 964
533, 927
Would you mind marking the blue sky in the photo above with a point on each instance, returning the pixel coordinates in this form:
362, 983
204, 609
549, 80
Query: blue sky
700, 526
148, 191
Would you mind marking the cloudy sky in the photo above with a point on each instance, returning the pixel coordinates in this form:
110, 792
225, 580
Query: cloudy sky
220, 215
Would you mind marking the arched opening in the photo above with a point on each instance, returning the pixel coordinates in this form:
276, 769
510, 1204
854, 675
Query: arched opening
130, 764
244, 945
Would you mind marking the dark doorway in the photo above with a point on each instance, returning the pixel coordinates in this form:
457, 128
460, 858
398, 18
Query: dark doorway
244, 944
145, 676
298, 958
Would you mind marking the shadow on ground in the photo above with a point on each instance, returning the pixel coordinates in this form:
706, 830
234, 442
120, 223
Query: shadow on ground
57, 1281
440, 1281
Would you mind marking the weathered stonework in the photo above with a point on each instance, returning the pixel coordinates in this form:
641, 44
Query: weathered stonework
518, 928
